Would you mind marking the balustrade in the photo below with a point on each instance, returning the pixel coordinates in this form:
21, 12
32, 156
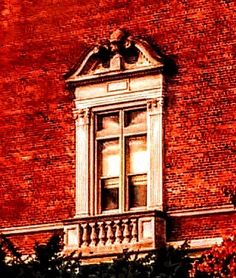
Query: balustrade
107, 233
112, 234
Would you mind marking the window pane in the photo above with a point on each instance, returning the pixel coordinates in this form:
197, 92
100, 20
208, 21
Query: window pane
110, 194
136, 155
137, 191
108, 124
136, 119
136, 169
109, 158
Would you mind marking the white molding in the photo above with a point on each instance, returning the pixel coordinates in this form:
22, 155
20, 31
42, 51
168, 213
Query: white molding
82, 162
202, 211
71, 236
96, 97
31, 228
198, 243
116, 99
155, 144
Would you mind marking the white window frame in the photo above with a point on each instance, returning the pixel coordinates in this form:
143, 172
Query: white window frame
122, 188
147, 90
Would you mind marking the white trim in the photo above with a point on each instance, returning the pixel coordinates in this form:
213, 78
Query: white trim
155, 144
71, 237
118, 99
202, 211
82, 163
198, 243
31, 228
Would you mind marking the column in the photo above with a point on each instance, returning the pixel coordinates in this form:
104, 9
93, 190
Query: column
82, 117
155, 149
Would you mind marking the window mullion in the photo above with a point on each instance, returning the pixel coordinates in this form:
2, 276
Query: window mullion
122, 166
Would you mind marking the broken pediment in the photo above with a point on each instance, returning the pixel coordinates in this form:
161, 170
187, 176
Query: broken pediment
121, 54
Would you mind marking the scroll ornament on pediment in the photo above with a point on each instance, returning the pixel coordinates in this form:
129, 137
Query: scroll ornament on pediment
121, 52
117, 52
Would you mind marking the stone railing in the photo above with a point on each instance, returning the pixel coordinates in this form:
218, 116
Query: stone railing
114, 233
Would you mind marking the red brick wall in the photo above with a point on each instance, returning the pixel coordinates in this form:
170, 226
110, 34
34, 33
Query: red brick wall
26, 243
195, 227
41, 40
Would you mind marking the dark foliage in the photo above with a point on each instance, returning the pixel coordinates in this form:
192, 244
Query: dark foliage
49, 261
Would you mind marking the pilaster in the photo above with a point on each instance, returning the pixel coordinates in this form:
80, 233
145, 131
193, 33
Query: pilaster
82, 121
155, 150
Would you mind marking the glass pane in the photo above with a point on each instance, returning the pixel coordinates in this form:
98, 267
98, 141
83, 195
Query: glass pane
109, 122
109, 158
136, 155
137, 191
110, 194
136, 118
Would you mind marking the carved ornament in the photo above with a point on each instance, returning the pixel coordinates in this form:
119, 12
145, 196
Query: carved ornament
120, 53
82, 115
155, 104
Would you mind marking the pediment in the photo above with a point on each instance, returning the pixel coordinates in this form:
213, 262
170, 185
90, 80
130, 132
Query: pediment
121, 54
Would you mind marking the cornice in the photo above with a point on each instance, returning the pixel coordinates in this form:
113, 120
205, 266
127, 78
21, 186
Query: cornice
110, 76
202, 211
32, 228
201, 243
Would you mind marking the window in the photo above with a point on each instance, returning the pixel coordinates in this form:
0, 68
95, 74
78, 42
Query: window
121, 157
118, 91
118, 111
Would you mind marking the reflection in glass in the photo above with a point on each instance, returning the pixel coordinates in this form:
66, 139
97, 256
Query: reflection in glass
137, 191
109, 171
108, 122
136, 155
109, 158
136, 118
110, 194
136, 170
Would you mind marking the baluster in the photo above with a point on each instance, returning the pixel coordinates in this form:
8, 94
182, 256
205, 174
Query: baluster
94, 237
134, 231
102, 234
126, 232
79, 235
118, 233
85, 236
110, 233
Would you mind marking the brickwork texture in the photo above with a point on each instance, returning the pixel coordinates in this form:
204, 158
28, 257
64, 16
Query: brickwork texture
41, 40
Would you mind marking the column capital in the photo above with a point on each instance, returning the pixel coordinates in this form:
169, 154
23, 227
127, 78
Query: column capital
82, 116
155, 105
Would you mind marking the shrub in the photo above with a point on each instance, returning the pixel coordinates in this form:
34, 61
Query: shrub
48, 261
218, 262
